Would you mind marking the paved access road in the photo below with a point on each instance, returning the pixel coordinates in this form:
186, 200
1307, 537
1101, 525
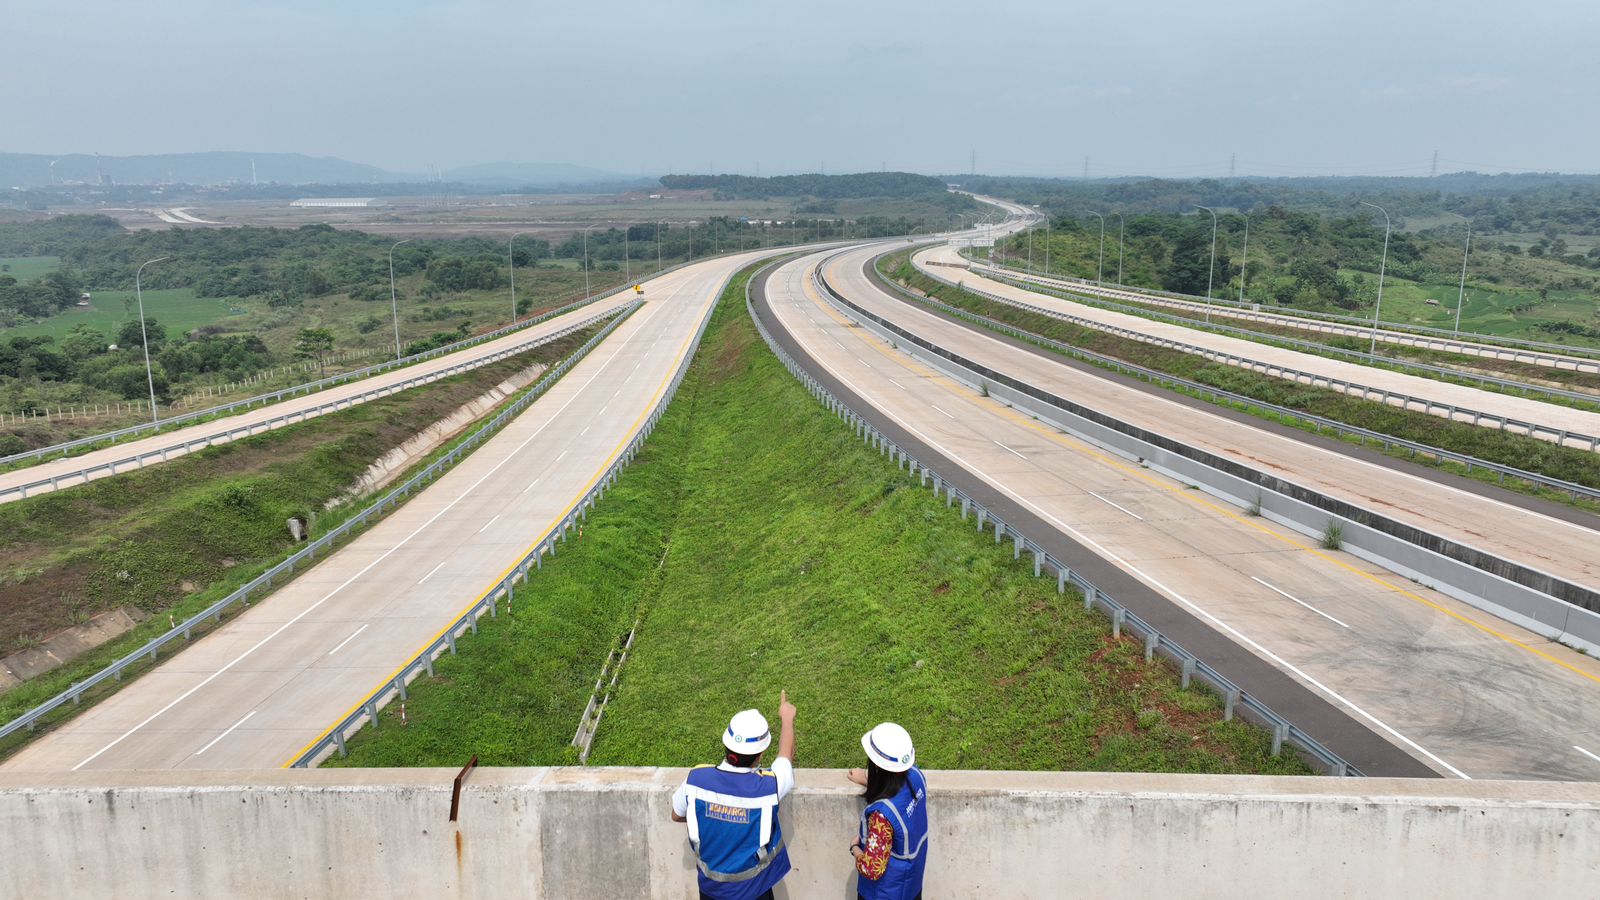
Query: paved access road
254, 693
1460, 690
1519, 408
70, 467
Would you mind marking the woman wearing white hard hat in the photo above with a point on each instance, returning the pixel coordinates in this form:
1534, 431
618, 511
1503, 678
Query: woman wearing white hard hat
892, 849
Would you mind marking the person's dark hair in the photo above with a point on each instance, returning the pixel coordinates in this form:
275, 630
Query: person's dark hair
742, 760
882, 783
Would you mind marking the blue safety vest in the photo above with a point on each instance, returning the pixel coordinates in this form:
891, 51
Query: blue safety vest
907, 812
733, 828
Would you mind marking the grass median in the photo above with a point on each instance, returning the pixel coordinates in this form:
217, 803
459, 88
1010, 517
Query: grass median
759, 546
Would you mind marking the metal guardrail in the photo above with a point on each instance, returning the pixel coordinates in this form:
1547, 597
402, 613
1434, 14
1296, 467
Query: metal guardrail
1219, 395
1444, 373
1191, 667
112, 437
1428, 336
488, 603
1366, 392
85, 475
263, 582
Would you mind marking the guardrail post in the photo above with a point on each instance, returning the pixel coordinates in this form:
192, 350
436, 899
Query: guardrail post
964, 504
450, 636
1188, 672
338, 740
1061, 580
1090, 594
997, 529
1016, 546
1279, 734
1229, 700
1117, 618
1150, 641
1038, 563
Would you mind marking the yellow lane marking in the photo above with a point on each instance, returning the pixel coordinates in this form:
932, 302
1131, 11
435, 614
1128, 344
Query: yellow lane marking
944, 382
627, 436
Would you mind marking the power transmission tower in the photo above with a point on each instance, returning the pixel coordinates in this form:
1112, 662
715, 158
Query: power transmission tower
1233, 164
1435, 171
1086, 167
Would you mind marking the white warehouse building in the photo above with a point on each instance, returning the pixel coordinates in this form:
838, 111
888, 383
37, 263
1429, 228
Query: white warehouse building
336, 202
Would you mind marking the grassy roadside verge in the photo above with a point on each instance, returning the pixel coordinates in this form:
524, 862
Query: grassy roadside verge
760, 546
172, 539
1521, 451
1394, 356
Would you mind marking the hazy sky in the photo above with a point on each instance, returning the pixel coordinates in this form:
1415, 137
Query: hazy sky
1168, 88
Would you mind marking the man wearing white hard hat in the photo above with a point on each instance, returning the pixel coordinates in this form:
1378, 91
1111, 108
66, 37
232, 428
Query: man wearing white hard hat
732, 809
891, 851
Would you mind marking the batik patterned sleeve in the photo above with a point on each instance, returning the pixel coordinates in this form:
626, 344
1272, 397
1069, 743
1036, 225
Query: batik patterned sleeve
874, 858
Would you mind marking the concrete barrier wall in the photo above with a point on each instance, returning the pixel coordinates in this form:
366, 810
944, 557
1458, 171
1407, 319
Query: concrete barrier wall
605, 833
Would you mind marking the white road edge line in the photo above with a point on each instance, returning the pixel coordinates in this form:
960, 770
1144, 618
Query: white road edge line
1109, 503
352, 636
1285, 593
224, 734
1586, 753
1127, 566
353, 578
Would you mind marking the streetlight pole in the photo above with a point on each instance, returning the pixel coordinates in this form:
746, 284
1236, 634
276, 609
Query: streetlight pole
1244, 265
1100, 269
1382, 264
144, 338
394, 305
587, 293
1462, 295
1121, 225
1030, 249
511, 261
1211, 271
627, 264
658, 244
1047, 246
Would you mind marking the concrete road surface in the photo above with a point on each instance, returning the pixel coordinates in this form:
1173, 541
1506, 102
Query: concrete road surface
1468, 694
257, 691
1519, 408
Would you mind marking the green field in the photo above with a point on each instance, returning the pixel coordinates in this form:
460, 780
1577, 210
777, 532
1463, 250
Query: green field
27, 268
761, 547
179, 310
1486, 312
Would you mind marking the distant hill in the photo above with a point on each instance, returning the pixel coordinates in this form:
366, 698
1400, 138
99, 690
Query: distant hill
28, 170
864, 184
538, 174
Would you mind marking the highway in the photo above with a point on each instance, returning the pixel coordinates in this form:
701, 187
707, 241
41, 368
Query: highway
83, 467
1227, 309
259, 689
936, 262
1464, 693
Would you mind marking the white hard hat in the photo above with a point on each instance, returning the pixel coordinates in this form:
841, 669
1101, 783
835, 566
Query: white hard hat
747, 732
889, 746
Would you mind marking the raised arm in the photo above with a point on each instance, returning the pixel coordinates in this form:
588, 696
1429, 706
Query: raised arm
786, 713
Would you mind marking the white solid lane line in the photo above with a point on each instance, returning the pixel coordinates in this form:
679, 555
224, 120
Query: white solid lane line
1238, 635
1299, 601
357, 576
433, 570
1109, 503
224, 734
357, 631
488, 523
1008, 450
1586, 753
